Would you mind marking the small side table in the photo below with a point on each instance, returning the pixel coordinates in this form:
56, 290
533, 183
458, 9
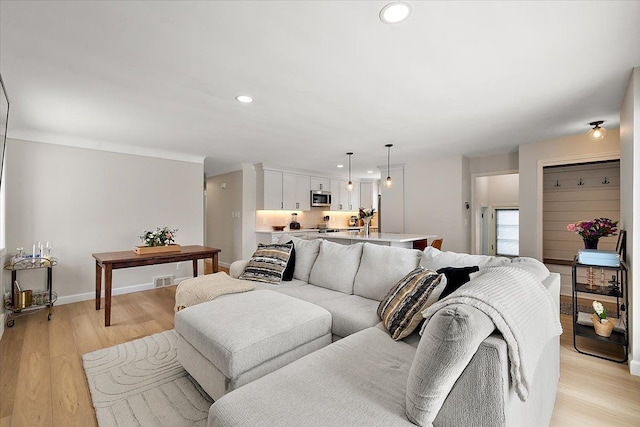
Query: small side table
49, 299
109, 261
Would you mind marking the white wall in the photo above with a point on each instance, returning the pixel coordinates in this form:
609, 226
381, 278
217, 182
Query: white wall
393, 214
497, 190
435, 192
533, 157
490, 165
630, 202
248, 210
87, 201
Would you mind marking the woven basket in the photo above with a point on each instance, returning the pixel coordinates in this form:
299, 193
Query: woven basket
602, 329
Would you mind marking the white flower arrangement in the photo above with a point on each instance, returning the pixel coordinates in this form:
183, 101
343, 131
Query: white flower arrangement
366, 213
600, 311
160, 237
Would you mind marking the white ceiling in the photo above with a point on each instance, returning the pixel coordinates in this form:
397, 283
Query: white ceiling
328, 77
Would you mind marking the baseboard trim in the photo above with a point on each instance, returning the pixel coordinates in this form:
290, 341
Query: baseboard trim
634, 368
224, 264
69, 299
1, 325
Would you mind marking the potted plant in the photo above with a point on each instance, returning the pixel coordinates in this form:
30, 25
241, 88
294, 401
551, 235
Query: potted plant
602, 324
160, 240
592, 230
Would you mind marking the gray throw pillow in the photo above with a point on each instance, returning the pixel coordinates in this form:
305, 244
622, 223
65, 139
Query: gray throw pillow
336, 266
306, 254
380, 269
448, 343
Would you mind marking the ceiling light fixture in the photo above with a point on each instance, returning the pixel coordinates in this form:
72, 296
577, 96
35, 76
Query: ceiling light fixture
387, 182
350, 184
340, 166
396, 12
245, 99
597, 133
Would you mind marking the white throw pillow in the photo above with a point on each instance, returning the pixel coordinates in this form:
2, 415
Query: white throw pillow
381, 268
306, 254
336, 266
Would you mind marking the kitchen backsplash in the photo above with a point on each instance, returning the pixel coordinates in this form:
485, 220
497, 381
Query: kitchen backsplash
307, 219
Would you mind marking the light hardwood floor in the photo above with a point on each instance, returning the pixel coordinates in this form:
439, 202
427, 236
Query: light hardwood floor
42, 382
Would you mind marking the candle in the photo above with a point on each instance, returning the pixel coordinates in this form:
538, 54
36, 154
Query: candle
34, 251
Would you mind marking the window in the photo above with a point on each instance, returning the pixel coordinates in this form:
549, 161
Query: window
507, 232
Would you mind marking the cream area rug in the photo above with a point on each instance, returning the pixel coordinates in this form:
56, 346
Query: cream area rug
141, 383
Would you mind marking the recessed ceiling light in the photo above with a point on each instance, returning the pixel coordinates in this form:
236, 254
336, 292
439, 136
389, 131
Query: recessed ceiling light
340, 166
396, 12
244, 99
369, 171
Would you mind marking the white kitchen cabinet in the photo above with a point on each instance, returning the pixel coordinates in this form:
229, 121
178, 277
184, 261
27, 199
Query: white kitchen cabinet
354, 197
304, 193
272, 190
277, 190
347, 200
296, 192
320, 184
335, 195
369, 195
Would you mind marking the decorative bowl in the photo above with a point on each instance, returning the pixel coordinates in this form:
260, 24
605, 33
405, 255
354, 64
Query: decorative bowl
278, 227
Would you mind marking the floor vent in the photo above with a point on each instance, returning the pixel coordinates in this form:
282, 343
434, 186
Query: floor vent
162, 281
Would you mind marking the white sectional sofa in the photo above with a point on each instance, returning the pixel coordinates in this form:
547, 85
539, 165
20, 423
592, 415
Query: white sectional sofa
365, 377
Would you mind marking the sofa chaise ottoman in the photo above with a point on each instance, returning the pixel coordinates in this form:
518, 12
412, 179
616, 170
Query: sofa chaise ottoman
235, 339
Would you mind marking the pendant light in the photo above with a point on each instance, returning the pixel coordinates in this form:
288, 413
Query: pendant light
597, 133
350, 184
387, 182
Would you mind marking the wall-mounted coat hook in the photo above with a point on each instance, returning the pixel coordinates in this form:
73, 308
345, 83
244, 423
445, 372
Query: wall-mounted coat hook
557, 184
580, 182
606, 181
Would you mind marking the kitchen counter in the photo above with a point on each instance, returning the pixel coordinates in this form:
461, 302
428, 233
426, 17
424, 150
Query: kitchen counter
307, 230
270, 236
388, 239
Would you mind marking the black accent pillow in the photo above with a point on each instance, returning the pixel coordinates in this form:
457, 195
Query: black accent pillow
456, 277
287, 276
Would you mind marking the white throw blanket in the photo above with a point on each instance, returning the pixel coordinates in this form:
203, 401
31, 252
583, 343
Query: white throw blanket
522, 310
205, 288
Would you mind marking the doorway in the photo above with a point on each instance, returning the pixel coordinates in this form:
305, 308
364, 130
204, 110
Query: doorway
491, 193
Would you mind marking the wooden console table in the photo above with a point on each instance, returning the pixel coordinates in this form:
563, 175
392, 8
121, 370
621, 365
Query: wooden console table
109, 261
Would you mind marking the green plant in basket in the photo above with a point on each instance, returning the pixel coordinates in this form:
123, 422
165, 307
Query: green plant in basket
601, 312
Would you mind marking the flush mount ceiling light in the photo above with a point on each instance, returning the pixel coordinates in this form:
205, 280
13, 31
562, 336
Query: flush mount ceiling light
245, 99
340, 166
396, 12
350, 184
597, 133
387, 182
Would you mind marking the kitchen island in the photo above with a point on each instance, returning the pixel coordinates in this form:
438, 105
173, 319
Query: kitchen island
387, 239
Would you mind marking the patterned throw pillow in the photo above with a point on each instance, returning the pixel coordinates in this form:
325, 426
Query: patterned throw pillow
268, 263
401, 310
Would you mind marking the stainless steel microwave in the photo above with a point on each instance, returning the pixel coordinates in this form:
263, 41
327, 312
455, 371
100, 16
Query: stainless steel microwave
320, 198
